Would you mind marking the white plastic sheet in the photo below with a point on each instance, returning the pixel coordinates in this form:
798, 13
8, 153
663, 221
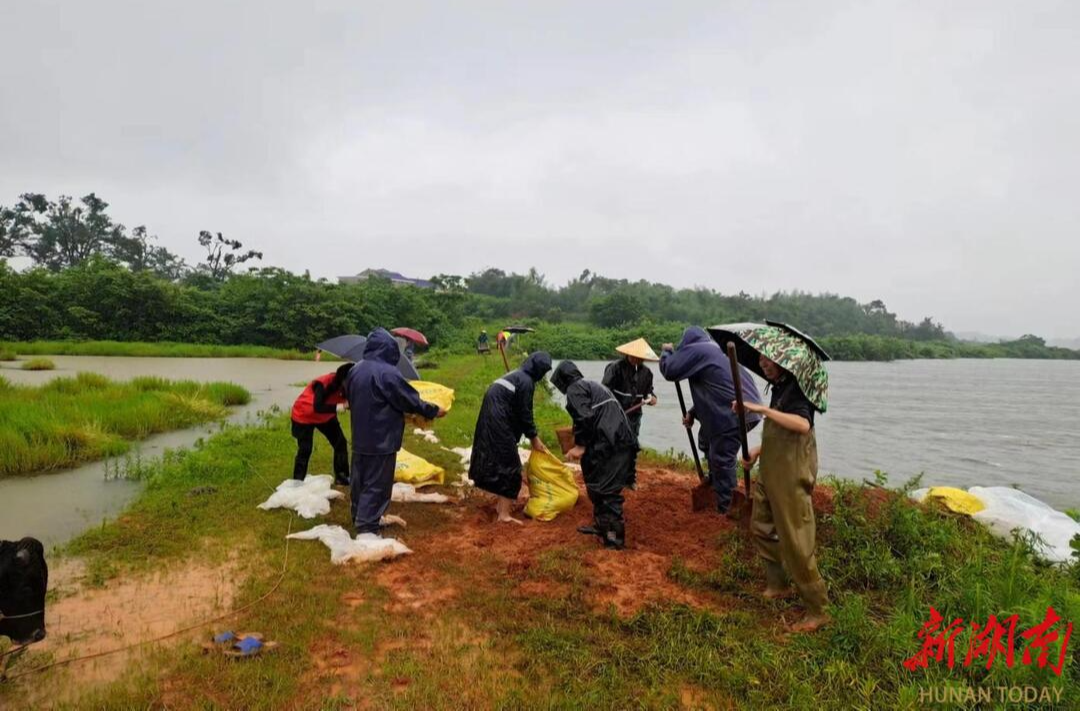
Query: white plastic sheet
309, 498
407, 493
1008, 509
365, 547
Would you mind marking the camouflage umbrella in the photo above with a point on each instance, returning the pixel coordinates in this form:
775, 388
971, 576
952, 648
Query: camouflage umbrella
784, 345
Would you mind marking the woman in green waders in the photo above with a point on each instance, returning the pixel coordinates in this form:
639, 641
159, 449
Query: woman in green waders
782, 522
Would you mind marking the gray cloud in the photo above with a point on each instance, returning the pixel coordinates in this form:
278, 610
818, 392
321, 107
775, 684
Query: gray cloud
917, 152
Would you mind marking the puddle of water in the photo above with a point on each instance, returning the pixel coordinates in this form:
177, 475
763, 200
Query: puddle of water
54, 507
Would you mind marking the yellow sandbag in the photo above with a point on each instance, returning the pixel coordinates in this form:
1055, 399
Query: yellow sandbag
957, 500
552, 488
434, 393
411, 469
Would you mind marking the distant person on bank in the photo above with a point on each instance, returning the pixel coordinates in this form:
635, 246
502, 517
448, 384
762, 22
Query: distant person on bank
482, 345
379, 397
782, 521
700, 360
505, 415
317, 409
605, 444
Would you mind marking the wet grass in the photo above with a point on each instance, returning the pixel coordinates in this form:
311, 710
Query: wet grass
7, 354
886, 561
151, 350
38, 364
73, 420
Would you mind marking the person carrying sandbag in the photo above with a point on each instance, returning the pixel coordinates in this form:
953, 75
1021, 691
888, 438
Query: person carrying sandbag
379, 397
505, 415
605, 444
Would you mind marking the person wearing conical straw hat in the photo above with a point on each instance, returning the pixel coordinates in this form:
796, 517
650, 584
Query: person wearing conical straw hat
782, 521
631, 382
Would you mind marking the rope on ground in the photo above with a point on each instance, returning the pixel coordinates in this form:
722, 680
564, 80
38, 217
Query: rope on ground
134, 645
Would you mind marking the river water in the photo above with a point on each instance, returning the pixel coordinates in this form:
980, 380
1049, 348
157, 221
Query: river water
961, 422
56, 506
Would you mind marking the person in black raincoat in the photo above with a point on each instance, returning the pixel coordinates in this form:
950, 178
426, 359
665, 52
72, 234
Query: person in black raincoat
505, 415
700, 360
379, 398
605, 444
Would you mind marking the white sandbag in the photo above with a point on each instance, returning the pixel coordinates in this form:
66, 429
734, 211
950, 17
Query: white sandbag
407, 493
1008, 509
309, 498
343, 548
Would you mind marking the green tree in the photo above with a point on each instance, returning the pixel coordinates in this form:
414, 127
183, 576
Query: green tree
61, 234
223, 255
617, 309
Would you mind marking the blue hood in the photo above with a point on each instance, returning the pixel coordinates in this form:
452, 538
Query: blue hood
382, 347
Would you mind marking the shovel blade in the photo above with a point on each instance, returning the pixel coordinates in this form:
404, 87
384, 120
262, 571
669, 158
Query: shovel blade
740, 508
702, 497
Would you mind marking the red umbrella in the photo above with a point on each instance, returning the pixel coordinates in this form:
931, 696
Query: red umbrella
411, 334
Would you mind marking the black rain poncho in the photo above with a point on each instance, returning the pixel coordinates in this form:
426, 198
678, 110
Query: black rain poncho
505, 415
601, 426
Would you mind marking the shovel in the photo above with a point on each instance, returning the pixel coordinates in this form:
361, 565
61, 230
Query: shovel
740, 505
701, 497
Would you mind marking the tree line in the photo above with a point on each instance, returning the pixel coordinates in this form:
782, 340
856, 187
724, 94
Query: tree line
92, 279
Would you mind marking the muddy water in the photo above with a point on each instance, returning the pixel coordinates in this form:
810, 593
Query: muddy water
56, 506
961, 422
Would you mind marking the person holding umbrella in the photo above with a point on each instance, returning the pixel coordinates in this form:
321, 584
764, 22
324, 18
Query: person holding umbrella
782, 521
606, 446
700, 360
317, 409
505, 415
379, 397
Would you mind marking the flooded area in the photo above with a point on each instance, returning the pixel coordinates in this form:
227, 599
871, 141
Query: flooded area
56, 506
961, 422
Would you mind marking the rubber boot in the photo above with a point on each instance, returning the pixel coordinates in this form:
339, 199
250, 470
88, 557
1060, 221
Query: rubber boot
615, 536
593, 530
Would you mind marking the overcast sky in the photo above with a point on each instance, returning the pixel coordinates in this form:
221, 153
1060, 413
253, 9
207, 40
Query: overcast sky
925, 153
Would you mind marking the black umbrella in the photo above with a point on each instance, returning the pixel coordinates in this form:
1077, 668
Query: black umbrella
519, 329
351, 347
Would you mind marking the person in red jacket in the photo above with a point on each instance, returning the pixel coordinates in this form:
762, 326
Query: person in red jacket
317, 409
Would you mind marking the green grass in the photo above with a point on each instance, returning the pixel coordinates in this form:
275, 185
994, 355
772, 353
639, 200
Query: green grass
886, 561
38, 364
7, 354
153, 350
72, 420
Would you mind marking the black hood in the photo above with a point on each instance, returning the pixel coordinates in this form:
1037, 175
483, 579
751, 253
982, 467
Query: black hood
565, 375
537, 365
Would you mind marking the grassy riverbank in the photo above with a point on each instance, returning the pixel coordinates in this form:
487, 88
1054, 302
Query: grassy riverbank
72, 420
481, 617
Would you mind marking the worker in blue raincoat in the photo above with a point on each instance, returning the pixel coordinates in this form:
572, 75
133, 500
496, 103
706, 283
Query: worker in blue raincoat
700, 360
379, 398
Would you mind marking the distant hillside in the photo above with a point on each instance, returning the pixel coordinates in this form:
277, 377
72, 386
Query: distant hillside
1073, 343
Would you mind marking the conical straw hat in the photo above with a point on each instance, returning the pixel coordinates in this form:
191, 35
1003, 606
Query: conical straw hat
639, 349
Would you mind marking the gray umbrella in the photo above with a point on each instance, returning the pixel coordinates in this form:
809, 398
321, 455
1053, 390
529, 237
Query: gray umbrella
351, 347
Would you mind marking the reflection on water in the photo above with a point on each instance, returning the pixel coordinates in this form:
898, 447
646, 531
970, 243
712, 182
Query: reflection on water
962, 422
54, 507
